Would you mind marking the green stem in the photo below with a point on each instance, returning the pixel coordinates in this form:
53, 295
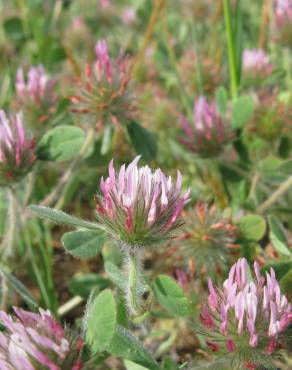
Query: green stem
283, 188
287, 65
133, 267
29, 187
136, 286
7, 245
230, 50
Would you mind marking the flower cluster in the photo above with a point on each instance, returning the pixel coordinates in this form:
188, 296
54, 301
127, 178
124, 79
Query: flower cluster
271, 118
208, 72
102, 92
256, 64
139, 207
36, 341
35, 96
208, 237
247, 319
283, 20
17, 151
209, 132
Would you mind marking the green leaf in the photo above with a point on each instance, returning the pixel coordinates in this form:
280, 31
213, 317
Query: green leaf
169, 364
101, 321
83, 244
82, 284
242, 111
126, 346
62, 218
143, 141
19, 288
51, 51
269, 168
286, 283
278, 236
281, 268
252, 227
61, 143
14, 28
221, 99
132, 366
171, 296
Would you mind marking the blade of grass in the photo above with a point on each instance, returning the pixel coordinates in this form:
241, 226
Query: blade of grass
37, 271
238, 44
230, 49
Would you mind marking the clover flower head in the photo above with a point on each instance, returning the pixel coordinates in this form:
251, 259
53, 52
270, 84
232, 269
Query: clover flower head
35, 94
35, 341
38, 87
102, 93
209, 131
271, 118
210, 72
208, 238
129, 15
256, 64
247, 318
140, 207
17, 151
283, 21
104, 4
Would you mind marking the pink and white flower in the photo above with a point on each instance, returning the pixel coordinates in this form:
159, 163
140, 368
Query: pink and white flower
33, 341
256, 64
101, 93
129, 15
209, 131
36, 91
140, 207
283, 20
17, 151
248, 312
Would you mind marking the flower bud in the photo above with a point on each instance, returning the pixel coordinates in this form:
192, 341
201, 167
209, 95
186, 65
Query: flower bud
208, 238
140, 207
283, 21
35, 95
194, 68
209, 132
271, 118
17, 151
256, 65
102, 92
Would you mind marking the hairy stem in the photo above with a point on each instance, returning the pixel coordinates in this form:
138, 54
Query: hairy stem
136, 286
275, 195
7, 245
